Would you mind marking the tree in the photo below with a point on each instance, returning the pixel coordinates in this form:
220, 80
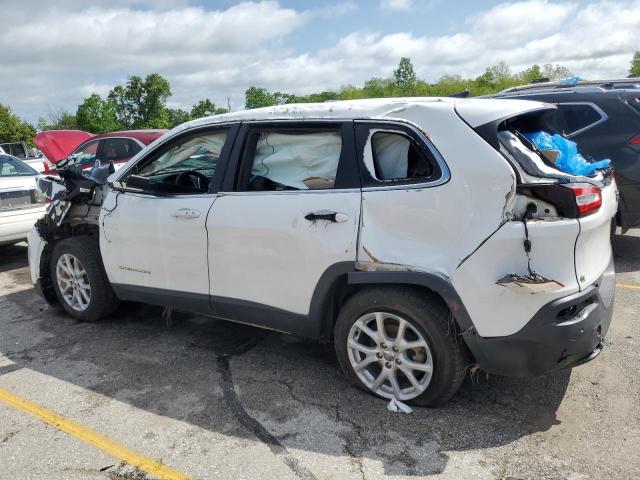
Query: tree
379, 87
206, 108
97, 115
530, 74
404, 76
176, 116
142, 103
58, 119
12, 129
635, 65
555, 72
256, 97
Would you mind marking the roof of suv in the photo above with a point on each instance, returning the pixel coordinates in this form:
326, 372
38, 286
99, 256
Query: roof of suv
475, 111
583, 86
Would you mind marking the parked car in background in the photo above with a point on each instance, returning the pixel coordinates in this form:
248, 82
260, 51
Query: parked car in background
21, 203
30, 156
83, 148
417, 255
603, 118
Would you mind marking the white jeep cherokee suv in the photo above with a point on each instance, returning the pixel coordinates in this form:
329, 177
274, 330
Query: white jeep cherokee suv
420, 235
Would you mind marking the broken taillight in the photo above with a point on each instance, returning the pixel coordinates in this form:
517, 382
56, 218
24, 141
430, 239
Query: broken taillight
588, 197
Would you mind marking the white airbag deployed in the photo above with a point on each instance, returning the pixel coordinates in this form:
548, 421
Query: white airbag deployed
391, 154
289, 159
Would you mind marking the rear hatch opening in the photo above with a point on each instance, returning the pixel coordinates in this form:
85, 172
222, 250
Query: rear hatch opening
544, 193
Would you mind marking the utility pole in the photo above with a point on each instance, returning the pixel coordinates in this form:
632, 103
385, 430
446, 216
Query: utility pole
228, 105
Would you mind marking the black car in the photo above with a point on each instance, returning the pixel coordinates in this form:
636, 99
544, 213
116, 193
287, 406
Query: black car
603, 118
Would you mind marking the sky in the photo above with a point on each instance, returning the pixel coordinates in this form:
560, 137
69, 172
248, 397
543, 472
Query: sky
54, 54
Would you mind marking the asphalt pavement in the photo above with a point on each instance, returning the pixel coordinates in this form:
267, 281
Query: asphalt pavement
208, 399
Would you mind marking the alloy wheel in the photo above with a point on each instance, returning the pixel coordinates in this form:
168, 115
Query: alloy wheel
73, 282
390, 356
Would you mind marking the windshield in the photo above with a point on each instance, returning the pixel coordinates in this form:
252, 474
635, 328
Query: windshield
12, 167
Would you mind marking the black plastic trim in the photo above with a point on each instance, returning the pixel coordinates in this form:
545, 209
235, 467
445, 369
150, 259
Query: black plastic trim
433, 281
259, 315
566, 332
187, 301
318, 324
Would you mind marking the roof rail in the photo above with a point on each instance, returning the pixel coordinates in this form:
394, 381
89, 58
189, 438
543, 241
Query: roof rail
582, 85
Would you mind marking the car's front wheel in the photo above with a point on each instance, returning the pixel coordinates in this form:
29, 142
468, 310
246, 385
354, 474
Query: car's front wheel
79, 280
400, 343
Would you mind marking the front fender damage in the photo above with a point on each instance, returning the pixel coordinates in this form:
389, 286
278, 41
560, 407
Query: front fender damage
76, 200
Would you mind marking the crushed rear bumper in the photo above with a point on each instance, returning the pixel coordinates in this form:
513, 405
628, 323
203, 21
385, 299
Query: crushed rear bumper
566, 332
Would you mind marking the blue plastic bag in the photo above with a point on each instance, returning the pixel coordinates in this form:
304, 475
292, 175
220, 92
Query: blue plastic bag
569, 159
571, 81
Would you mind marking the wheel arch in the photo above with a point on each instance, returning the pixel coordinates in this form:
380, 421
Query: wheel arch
53, 236
340, 281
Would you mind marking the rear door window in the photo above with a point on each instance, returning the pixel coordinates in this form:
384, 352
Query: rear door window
578, 117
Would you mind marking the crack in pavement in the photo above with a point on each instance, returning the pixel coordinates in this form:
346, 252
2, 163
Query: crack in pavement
255, 427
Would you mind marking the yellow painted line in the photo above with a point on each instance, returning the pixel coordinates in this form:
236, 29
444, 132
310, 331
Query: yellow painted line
91, 437
622, 285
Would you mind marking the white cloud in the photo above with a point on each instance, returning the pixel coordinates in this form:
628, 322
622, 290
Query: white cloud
70, 52
396, 4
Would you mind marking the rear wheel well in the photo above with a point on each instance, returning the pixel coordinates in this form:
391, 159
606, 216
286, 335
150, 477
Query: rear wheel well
341, 291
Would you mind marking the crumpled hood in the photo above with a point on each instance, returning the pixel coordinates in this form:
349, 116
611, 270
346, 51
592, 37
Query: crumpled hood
58, 144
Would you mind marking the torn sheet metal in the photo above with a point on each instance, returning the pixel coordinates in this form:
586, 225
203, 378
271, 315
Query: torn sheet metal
397, 406
531, 283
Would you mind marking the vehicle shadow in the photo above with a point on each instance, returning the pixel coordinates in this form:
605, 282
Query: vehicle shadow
626, 253
13, 257
249, 383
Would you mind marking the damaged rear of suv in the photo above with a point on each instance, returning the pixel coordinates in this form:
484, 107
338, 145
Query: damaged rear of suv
392, 227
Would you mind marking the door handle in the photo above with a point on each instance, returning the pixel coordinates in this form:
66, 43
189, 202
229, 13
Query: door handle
329, 216
186, 213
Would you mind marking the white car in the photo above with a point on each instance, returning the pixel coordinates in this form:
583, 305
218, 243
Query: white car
420, 235
21, 204
30, 156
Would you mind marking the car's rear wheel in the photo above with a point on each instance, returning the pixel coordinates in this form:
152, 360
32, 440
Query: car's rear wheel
79, 279
399, 343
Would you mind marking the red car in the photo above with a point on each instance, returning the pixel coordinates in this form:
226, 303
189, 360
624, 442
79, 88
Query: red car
86, 147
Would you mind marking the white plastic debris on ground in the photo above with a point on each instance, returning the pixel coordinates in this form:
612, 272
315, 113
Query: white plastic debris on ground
397, 406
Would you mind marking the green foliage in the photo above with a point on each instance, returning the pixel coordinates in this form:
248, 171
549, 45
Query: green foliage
58, 120
404, 76
141, 103
206, 108
176, 116
12, 129
635, 64
555, 72
256, 97
97, 115
405, 83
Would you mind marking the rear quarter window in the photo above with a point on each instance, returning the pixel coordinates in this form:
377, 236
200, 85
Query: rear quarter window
578, 117
394, 155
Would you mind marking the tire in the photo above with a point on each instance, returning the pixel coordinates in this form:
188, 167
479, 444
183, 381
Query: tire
81, 254
425, 316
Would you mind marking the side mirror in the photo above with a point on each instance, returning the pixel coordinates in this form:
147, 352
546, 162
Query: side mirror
137, 182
